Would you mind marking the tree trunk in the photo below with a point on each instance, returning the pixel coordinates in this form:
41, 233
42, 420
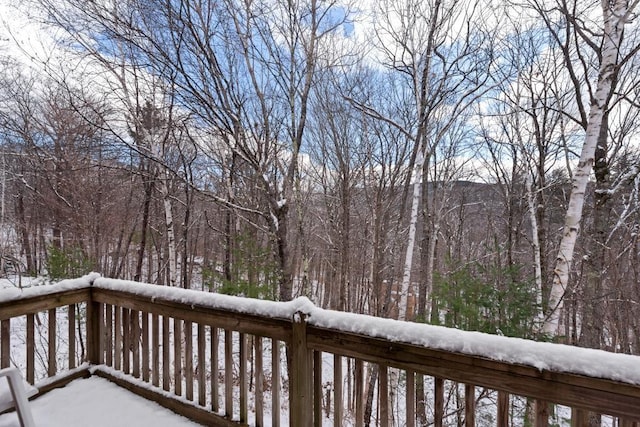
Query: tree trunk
614, 20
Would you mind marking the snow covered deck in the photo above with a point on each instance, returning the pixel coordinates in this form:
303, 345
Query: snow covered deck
97, 402
221, 360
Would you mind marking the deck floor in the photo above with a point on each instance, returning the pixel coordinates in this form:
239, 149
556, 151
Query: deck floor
96, 402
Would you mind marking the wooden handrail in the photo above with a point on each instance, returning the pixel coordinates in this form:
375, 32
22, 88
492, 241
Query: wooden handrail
125, 329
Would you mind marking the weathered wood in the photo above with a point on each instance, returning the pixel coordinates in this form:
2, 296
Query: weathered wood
108, 327
135, 342
19, 307
155, 350
359, 392
259, 380
202, 377
145, 346
5, 343
337, 390
275, 382
215, 370
411, 399
117, 345
317, 388
383, 395
438, 405
188, 360
300, 374
71, 333
224, 319
199, 415
94, 332
242, 377
542, 413
469, 405
52, 366
177, 356
503, 409
166, 354
31, 348
604, 396
126, 340
228, 373
579, 418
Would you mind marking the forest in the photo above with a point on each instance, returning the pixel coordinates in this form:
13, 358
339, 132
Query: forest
469, 164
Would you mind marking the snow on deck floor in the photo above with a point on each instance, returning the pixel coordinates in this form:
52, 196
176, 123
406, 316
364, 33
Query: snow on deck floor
96, 402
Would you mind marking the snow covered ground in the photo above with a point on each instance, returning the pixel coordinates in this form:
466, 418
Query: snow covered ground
96, 402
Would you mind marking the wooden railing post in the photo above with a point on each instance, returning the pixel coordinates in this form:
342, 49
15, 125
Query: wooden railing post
300, 374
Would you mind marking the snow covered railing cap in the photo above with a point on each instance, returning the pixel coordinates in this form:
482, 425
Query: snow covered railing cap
16, 293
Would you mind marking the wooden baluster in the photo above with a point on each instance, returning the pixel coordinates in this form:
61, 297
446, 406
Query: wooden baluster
126, 340
135, 342
275, 382
188, 359
317, 388
359, 392
578, 417
145, 346
259, 380
5, 343
52, 367
109, 335
383, 395
155, 350
177, 355
244, 384
215, 374
228, 373
337, 390
469, 405
542, 413
503, 409
117, 346
411, 399
71, 333
301, 377
202, 386
31, 348
438, 409
166, 353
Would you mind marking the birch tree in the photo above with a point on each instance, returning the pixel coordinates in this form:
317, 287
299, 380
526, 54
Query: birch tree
615, 16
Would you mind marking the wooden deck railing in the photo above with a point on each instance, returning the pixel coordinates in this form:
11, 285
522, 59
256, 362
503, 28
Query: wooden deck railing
225, 361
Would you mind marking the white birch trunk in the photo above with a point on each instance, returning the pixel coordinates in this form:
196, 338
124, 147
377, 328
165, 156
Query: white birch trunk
171, 235
411, 239
615, 17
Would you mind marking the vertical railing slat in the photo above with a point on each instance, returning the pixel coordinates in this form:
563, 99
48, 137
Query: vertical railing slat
259, 381
469, 405
71, 333
383, 395
108, 317
31, 348
244, 414
166, 353
542, 413
145, 346
117, 345
438, 409
188, 359
135, 342
359, 392
301, 374
5, 343
126, 340
177, 356
503, 409
51, 361
228, 373
202, 386
337, 390
411, 399
215, 378
275, 382
317, 388
155, 350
